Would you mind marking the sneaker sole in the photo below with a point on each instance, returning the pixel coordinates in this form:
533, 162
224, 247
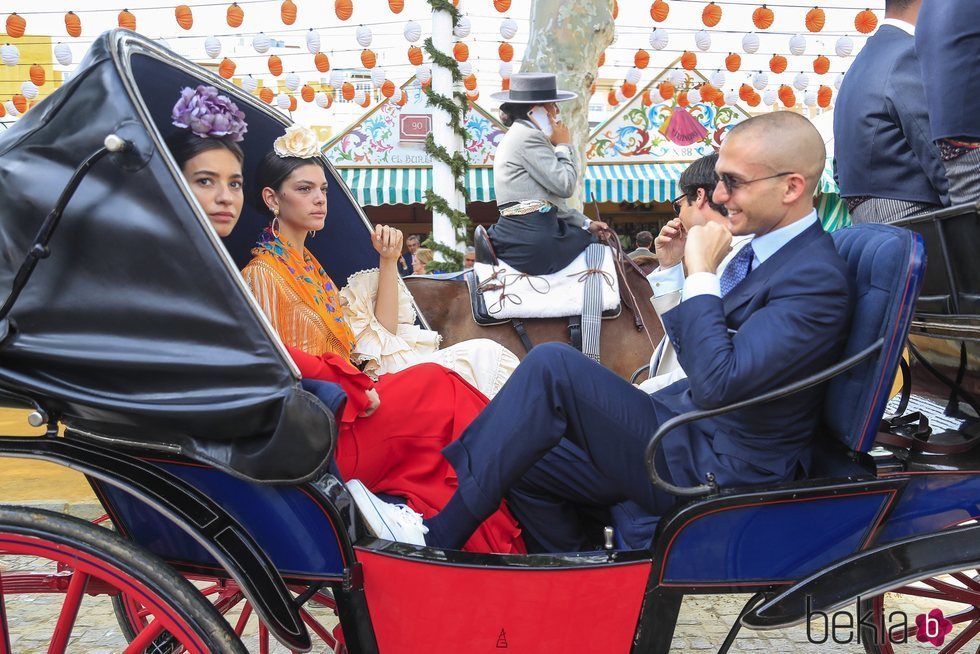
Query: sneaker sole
373, 519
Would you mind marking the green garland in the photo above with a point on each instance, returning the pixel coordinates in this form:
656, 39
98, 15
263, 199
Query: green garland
455, 108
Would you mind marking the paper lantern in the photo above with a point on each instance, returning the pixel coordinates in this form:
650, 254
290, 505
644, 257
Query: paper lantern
460, 51
396, 6
641, 59
797, 44
821, 65
3, 111
364, 36
633, 75
9, 108
506, 70
838, 81
412, 31
815, 19
689, 60
292, 103
778, 64
718, 79
762, 17
313, 41
708, 92
787, 96
307, 93
801, 81
463, 27
824, 95
666, 90
359, 96
703, 40
368, 59
9, 54
235, 15
16, 26
343, 8
866, 21
505, 51
424, 73
844, 46
659, 38
678, 78
659, 10
402, 98
694, 96
615, 10
415, 55
611, 98
378, 76
282, 101
336, 78
321, 62
261, 43
73, 24
769, 97
20, 103
323, 100
470, 82
227, 68
287, 12
628, 90
62, 52
249, 84
745, 92
711, 15
292, 81
184, 16
647, 98
733, 62
388, 88
37, 74
473, 95
750, 43
810, 98
760, 80
275, 65
730, 98
266, 95
465, 68
508, 28
347, 91
126, 20
503, 6
602, 59
682, 99
29, 89
754, 100
212, 47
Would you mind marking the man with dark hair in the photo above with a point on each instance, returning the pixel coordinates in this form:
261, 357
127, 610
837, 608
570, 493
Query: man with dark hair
886, 163
644, 240
947, 40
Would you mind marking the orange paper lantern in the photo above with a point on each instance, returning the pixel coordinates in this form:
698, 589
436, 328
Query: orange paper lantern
505, 51
388, 88
708, 92
666, 90
754, 100
321, 62
343, 8
866, 21
682, 99
505, 85
415, 55
659, 10
745, 92
470, 82
821, 65
3, 111
719, 100
733, 62
647, 98
628, 89
37, 74
602, 59
73, 24
787, 96
368, 58
778, 64
235, 15
184, 16
641, 59
461, 52
287, 12
762, 17
404, 99
292, 103
275, 65
615, 10
824, 96
20, 102
226, 68
347, 91
689, 60
503, 6
815, 19
611, 98
16, 26
396, 6
711, 15
127, 20
307, 93
266, 95
366, 102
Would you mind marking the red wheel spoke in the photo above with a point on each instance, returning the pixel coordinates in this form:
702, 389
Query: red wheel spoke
69, 613
927, 593
4, 630
967, 581
225, 604
953, 593
263, 639
243, 618
962, 639
317, 628
144, 638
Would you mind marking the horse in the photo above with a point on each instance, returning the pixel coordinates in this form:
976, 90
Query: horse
626, 343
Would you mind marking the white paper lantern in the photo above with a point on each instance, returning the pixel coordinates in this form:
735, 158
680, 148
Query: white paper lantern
313, 41
292, 81
703, 40
364, 36
844, 46
694, 96
678, 78
463, 27
770, 97
760, 81
249, 84
62, 52
620, 97
838, 81
731, 98
261, 43
810, 98
797, 44
412, 31
397, 97
378, 76
718, 79
508, 28
750, 43
465, 68
336, 78
283, 101
424, 73
506, 69
321, 99
10, 54
359, 96
212, 46
11, 109
29, 90
801, 81
659, 38
633, 75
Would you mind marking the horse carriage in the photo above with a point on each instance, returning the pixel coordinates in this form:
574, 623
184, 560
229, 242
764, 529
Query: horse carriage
129, 334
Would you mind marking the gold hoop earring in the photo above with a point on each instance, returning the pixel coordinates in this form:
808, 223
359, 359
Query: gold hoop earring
275, 223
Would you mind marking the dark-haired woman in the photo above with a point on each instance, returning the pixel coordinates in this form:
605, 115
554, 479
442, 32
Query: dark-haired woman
535, 172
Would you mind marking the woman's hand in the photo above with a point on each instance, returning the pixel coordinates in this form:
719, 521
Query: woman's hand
374, 403
388, 242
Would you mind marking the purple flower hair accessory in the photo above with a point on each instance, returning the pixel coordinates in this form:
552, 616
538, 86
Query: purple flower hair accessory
207, 113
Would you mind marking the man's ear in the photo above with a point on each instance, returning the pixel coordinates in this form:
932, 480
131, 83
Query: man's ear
795, 187
702, 199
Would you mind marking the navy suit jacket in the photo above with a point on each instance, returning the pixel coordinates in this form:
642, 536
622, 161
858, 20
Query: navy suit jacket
947, 39
882, 141
788, 319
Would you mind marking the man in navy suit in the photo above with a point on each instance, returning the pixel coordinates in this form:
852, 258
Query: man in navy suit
566, 437
947, 40
887, 165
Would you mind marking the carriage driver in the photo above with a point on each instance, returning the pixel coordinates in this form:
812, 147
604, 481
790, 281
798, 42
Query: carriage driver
566, 434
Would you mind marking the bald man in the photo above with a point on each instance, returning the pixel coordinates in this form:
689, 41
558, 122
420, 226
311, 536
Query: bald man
564, 439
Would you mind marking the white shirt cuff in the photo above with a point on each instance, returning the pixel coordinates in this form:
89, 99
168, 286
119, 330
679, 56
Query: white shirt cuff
586, 223
562, 148
702, 283
666, 281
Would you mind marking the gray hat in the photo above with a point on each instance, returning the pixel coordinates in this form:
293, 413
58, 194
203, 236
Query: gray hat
533, 88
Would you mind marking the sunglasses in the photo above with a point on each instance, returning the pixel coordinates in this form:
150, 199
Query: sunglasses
731, 184
676, 204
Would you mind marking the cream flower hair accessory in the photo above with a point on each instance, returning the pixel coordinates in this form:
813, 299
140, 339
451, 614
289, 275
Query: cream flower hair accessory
298, 141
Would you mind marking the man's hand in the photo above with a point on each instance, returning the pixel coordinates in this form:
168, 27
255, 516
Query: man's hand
374, 403
669, 244
559, 132
597, 226
387, 241
706, 246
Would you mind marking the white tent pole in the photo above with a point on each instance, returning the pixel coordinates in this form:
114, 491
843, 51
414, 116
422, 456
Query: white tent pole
443, 183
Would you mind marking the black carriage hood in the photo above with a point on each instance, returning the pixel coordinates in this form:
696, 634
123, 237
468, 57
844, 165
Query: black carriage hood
138, 325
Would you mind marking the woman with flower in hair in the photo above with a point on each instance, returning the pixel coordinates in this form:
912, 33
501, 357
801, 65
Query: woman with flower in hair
402, 425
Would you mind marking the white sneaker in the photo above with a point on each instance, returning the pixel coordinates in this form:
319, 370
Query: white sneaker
394, 522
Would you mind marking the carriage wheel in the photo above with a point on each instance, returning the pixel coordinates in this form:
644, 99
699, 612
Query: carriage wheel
226, 597
956, 595
80, 561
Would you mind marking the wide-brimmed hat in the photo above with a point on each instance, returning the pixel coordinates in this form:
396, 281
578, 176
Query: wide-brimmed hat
533, 88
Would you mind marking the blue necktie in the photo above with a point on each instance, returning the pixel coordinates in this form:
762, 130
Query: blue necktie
736, 270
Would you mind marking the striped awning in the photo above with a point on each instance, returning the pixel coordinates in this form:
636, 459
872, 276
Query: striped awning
377, 186
650, 182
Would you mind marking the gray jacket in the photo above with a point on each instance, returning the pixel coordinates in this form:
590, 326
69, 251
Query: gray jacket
527, 167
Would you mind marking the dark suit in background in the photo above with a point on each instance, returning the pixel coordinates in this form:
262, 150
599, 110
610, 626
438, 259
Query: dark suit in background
565, 433
886, 163
947, 39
